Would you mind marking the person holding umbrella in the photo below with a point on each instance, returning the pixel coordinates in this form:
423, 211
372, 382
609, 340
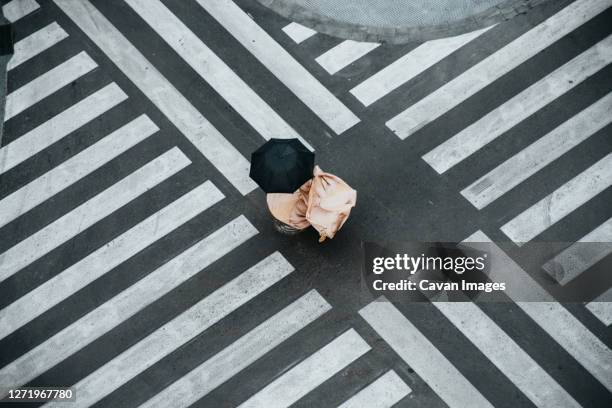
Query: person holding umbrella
300, 194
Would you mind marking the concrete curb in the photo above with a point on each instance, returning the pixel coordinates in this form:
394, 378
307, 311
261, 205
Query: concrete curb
398, 35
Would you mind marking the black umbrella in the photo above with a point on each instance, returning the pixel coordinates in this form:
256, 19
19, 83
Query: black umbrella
281, 165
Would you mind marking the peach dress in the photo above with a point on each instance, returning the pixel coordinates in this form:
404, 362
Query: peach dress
325, 202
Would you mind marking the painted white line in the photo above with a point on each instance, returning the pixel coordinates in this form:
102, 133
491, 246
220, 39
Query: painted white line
561, 202
107, 257
506, 355
409, 66
298, 32
177, 332
520, 107
241, 353
90, 212
418, 352
310, 373
274, 57
16, 9
539, 154
344, 54
72, 170
36, 43
385, 392
214, 71
495, 66
48, 83
551, 316
196, 128
60, 126
129, 302
583, 254
602, 307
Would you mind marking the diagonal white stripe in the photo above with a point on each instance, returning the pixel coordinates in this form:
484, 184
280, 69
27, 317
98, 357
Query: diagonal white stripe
59, 126
90, 212
501, 119
495, 66
130, 301
385, 392
179, 331
414, 348
409, 66
48, 83
195, 127
274, 57
298, 32
241, 353
602, 307
344, 54
214, 71
561, 202
36, 43
74, 169
16, 9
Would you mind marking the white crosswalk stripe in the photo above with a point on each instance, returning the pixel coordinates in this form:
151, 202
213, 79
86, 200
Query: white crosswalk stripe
409, 66
422, 356
550, 315
130, 301
36, 43
561, 202
511, 360
48, 83
214, 71
500, 120
602, 307
493, 67
75, 168
344, 54
197, 129
539, 154
583, 254
298, 33
90, 212
17, 9
385, 392
310, 373
259, 43
241, 353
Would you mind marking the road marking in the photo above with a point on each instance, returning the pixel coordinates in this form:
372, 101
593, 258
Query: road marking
561, 202
16, 9
409, 66
241, 353
214, 71
60, 126
298, 32
385, 392
48, 83
581, 255
90, 212
422, 356
495, 66
36, 43
539, 154
107, 257
274, 57
344, 54
310, 373
508, 357
75, 168
134, 299
177, 332
602, 307
195, 127
551, 316
520, 107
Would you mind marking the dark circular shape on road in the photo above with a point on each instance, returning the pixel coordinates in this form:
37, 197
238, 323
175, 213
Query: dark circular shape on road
398, 21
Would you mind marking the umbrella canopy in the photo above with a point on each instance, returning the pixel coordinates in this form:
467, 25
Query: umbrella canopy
281, 165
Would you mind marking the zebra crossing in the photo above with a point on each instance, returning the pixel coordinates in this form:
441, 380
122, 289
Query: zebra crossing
185, 199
